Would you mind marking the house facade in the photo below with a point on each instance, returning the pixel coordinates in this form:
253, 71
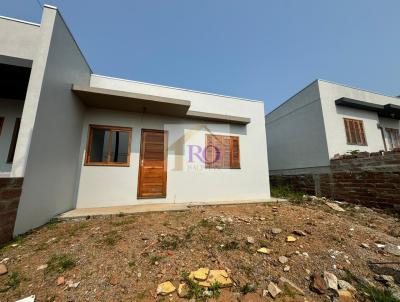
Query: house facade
72, 139
337, 141
326, 119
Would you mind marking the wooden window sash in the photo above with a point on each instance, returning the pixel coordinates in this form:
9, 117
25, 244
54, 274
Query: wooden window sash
394, 137
355, 133
228, 149
111, 129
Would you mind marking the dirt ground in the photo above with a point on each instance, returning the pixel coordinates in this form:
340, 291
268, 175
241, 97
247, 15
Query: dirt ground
124, 258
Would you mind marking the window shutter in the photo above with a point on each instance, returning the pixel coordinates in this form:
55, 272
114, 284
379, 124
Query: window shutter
235, 153
355, 133
209, 151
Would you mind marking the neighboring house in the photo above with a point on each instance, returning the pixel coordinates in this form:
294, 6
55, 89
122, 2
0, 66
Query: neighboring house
339, 142
71, 139
325, 119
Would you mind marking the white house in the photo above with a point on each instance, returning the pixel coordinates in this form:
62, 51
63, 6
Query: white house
325, 119
74, 139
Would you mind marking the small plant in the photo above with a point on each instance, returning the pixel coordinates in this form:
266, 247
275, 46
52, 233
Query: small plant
53, 223
189, 232
131, 263
111, 238
353, 152
195, 290
205, 223
73, 230
120, 214
376, 294
12, 282
60, 263
215, 289
231, 245
170, 243
247, 288
155, 259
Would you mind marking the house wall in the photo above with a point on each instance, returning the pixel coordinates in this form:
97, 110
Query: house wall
53, 141
296, 134
186, 182
333, 117
10, 110
19, 39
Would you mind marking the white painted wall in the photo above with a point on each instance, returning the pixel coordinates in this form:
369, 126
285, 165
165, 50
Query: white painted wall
19, 39
333, 117
10, 110
52, 166
107, 186
296, 134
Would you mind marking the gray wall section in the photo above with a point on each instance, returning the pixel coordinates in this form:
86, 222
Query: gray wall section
296, 134
18, 39
52, 165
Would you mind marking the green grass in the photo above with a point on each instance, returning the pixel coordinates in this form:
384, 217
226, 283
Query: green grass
288, 193
376, 294
205, 223
60, 263
170, 242
12, 282
247, 288
154, 259
111, 238
74, 229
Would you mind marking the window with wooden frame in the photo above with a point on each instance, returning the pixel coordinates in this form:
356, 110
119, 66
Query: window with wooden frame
1, 123
393, 137
222, 152
355, 132
14, 139
108, 146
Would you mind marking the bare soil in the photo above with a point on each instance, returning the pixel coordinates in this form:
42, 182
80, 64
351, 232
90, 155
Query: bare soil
124, 258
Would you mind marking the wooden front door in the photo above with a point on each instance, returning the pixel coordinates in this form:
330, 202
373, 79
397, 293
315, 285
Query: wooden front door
153, 164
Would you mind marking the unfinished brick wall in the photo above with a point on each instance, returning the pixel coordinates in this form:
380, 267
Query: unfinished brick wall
10, 192
369, 179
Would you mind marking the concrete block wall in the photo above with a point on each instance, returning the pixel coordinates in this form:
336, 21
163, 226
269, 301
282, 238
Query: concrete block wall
10, 192
371, 179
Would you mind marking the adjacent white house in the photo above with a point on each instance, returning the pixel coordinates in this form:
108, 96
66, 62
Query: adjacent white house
80, 140
325, 119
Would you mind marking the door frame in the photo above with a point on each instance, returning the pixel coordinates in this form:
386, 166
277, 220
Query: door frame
139, 183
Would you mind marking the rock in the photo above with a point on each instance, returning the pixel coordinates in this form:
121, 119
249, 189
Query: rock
201, 274
60, 281
27, 299
71, 284
286, 268
345, 296
283, 259
335, 206
276, 231
183, 290
290, 239
392, 249
250, 240
165, 288
273, 290
287, 285
264, 250
42, 267
220, 276
219, 228
386, 279
5, 260
299, 233
330, 280
318, 284
364, 245
346, 286
3, 269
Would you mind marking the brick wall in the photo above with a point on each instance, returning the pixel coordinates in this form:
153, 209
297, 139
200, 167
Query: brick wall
367, 178
10, 192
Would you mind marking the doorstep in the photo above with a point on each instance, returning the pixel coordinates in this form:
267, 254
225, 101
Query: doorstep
117, 210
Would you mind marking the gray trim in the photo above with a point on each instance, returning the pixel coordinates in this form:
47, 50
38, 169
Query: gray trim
219, 117
388, 110
299, 171
176, 88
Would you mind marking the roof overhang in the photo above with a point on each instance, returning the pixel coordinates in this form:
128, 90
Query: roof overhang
388, 110
144, 103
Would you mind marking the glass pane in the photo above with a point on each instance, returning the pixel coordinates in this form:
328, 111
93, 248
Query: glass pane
99, 148
119, 146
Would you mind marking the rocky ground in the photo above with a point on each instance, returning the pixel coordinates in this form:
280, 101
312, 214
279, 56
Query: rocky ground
306, 251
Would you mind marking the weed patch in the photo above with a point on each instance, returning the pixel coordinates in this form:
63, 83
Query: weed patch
12, 282
60, 263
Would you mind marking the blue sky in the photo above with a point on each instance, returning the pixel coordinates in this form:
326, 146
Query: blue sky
259, 49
